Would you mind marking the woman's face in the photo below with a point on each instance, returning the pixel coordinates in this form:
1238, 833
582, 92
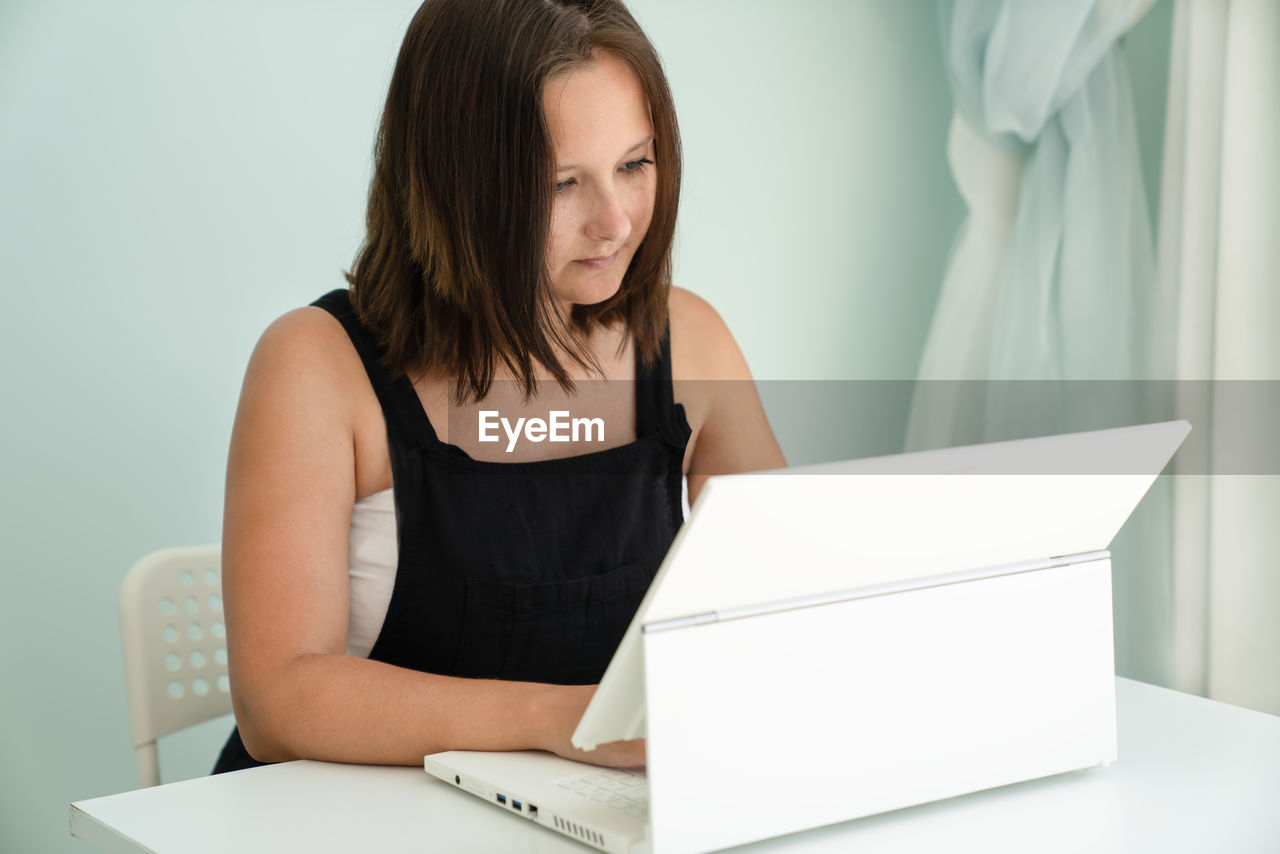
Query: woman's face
606, 180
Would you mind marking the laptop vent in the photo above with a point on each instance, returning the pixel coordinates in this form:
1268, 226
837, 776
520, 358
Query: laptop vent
586, 834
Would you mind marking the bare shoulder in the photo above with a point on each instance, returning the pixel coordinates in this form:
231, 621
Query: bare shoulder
300, 338
702, 347
305, 357
306, 391
730, 432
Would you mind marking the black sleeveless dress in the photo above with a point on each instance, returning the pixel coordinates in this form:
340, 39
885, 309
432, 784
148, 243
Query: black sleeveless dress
519, 571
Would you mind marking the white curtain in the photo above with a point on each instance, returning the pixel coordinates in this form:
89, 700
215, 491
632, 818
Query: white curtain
1053, 282
1219, 262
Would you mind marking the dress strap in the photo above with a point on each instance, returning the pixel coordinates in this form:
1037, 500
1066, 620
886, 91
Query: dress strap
655, 396
401, 407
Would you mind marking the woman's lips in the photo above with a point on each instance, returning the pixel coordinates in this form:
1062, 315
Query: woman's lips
597, 263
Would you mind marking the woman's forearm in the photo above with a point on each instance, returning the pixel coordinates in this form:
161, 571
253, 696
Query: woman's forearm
340, 708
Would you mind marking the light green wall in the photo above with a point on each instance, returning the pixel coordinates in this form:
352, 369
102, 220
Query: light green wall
818, 208
173, 176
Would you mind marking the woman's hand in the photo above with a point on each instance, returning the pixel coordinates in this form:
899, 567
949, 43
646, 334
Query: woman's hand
568, 702
615, 754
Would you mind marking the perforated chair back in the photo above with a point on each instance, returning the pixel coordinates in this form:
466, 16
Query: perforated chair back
175, 648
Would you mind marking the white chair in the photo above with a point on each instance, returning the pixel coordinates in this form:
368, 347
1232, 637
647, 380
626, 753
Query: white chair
175, 647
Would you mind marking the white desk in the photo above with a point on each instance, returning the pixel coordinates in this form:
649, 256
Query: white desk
1193, 775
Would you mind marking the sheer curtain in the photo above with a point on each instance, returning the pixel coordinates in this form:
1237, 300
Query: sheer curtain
1052, 274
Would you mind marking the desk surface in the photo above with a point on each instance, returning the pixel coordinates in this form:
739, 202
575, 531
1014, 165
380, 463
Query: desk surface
1193, 775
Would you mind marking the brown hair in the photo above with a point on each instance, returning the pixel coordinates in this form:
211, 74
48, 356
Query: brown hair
452, 274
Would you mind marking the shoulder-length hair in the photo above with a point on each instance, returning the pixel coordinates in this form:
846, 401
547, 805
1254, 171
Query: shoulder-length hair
453, 274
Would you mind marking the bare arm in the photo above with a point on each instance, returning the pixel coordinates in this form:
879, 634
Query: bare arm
291, 486
732, 433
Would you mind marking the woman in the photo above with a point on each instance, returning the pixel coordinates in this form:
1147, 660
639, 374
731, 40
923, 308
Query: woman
396, 582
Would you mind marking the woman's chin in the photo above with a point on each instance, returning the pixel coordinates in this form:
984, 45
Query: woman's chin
587, 294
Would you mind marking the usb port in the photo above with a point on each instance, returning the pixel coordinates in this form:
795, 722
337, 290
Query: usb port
502, 799
533, 811
515, 805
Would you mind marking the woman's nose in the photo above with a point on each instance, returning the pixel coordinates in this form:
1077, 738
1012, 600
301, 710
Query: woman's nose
608, 220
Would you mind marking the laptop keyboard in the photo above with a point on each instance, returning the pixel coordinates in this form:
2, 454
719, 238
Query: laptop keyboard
619, 788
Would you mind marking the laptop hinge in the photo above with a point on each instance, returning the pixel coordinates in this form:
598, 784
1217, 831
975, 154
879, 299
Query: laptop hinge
874, 590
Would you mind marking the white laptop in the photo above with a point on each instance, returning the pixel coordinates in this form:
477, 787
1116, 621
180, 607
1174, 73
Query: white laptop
828, 642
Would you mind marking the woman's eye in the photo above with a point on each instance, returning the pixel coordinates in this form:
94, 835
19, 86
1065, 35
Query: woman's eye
635, 166
631, 167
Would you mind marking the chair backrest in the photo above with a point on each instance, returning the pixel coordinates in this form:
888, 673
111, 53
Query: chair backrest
175, 647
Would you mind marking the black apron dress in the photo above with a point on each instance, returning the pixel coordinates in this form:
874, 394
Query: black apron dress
518, 571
